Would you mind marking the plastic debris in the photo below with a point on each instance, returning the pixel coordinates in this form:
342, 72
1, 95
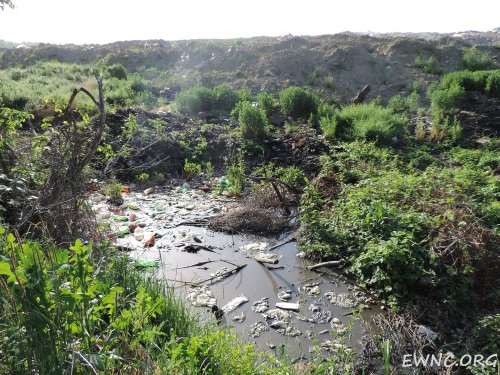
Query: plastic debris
429, 333
201, 296
344, 300
234, 304
285, 295
239, 318
288, 306
145, 263
120, 218
257, 328
261, 305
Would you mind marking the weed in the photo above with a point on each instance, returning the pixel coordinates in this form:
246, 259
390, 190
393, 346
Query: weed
235, 174
191, 169
427, 65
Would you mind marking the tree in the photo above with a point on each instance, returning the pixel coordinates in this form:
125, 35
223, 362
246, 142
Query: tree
3, 3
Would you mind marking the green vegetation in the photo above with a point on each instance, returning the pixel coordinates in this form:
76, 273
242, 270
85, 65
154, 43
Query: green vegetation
267, 102
473, 60
236, 175
447, 96
391, 217
79, 310
203, 99
427, 65
52, 81
298, 102
252, 120
366, 121
412, 216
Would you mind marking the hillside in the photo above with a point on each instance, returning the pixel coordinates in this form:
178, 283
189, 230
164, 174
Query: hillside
337, 65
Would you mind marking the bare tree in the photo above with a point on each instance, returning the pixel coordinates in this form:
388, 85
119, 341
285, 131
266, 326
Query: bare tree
59, 210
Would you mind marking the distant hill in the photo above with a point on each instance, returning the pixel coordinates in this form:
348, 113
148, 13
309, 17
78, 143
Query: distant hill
338, 64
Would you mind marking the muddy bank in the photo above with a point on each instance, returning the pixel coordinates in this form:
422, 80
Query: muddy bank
261, 283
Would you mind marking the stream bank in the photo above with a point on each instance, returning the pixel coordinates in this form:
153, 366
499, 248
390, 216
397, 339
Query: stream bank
261, 283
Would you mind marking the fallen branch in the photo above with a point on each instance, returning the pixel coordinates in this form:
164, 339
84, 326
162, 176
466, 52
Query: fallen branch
195, 265
194, 248
291, 239
324, 264
271, 180
221, 277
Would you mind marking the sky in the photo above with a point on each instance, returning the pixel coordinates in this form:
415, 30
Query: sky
104, 21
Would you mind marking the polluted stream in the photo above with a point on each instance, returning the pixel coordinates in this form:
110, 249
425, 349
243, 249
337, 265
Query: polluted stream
259, 285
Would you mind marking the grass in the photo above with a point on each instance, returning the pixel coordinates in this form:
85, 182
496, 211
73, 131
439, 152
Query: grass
27, 87
84, 310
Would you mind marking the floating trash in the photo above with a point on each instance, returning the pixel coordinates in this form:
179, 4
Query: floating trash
344, 300
288, 306
261, 305
201, 296
144, 263
285, 295
234, 304
239, 318
257, 328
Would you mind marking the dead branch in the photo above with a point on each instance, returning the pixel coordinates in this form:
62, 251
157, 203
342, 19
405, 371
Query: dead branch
324, 264
271, 180
291, 239
195, 265
221, 277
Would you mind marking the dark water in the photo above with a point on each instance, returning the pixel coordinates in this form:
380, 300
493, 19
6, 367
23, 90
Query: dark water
256, 281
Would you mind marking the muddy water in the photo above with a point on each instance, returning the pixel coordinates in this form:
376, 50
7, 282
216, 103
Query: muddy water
190, 256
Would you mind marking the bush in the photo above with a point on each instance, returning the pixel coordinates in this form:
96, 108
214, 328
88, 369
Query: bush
427, 65
252, 119
225, 98
367, 121
473, 59
493, 84
298, 103
487, 335
203, 99
267, 102
197, 99
117, 71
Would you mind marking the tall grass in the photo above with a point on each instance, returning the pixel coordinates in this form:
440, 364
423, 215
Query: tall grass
79, 311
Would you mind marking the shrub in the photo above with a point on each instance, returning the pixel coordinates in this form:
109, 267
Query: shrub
117, 71
298, 103
195, 100
473, 59
427, 65
191, 169
369, 121
487, 334
252, 119
493, 84
235, 175
225, 98
113, 191
446, 100
267, 102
